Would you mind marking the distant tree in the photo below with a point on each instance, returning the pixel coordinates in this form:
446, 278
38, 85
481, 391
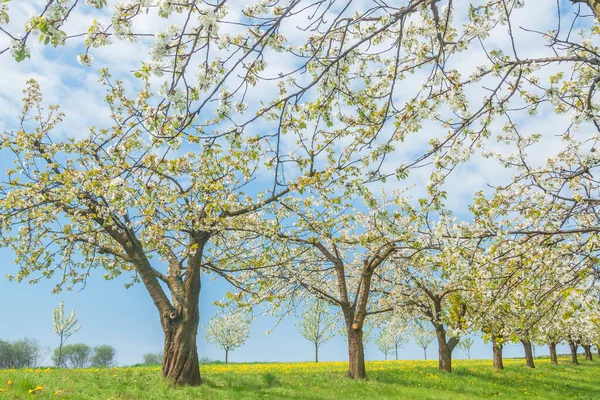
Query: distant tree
104, 356
396, 329
23, 353
229, 331
317, 324
385, 342
465, 345
64, 328
77, 355
152, 358
422, 335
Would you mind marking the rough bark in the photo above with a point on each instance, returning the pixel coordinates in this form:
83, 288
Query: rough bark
528, 352
587, 349
356, 353
180, 360
553, 357
445, 349
497, 350
573, 346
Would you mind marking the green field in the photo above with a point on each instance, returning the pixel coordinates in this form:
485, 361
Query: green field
387, 380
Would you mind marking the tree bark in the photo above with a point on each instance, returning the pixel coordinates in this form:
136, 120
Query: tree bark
316, 353
573, 346
528, 352
226, 357
396, 352
497, 351
587, 349
598, 348
425, 352
356, 353
553, 358
180, 360
445, 349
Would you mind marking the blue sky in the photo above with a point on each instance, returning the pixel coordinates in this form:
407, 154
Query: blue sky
126, 318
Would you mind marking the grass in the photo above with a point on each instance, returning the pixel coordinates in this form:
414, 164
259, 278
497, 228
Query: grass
471, 379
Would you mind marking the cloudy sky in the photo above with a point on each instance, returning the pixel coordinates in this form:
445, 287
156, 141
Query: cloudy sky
126, 318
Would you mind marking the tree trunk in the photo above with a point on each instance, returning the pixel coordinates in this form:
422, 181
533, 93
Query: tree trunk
58, 360
528, 352
587, 349
180, 360
573, 346
425, 352
226, 357
396, 352
444, 349
553, 358
316, 353
497, 350
356, 353
598, 348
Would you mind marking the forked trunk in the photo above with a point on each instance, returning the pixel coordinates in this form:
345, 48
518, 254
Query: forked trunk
587, 349
497, 350
180, 360
528, 352
445, 349
356, 353
573, 346
553, 358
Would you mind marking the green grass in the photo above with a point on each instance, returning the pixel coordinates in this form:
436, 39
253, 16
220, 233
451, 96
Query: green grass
387, 380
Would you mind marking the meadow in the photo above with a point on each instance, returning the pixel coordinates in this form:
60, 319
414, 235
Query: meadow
471, 379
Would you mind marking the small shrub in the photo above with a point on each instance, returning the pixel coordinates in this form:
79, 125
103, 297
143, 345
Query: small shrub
270, 379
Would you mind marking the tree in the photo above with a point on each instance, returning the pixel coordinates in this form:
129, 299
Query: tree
64, 327
323, 245
152, 358
23, 353
384, 342
104, 356
465, 345
317, 324
76, 355
228, 330
340, 88
422, 335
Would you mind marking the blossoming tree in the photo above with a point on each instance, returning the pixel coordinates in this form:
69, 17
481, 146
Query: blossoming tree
229, 330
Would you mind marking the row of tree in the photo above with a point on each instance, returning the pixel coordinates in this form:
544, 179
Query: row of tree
269, 178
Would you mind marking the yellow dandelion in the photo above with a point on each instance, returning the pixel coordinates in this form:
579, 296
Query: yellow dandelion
38, 388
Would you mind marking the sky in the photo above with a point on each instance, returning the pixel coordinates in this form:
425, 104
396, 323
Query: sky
126, 318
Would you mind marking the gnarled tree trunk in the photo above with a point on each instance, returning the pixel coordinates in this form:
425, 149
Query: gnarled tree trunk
528, 352
587, 349
445, 349
497, 350
573, 346
356, 353
552, 348
180, 360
